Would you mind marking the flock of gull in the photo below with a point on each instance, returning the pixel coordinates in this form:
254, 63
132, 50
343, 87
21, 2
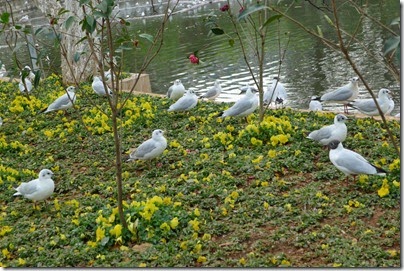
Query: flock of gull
347, 161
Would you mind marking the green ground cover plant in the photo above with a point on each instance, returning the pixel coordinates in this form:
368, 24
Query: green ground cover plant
225, 193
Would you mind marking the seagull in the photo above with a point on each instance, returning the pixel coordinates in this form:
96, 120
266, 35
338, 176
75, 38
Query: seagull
368, 106
243, 107
108, 75
275, 92
63, 102
28, 84
344, 94
244, 89
391, 106
176, 91
336, 131
185, 103
151, 148
38, 189
3, 71
315, 104
24, 19
350, 162
213, 92
31, 74
98, 87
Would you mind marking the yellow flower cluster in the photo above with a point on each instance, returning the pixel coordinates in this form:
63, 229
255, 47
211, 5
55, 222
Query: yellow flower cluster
97, 122
22, 103
136, 108
224, 138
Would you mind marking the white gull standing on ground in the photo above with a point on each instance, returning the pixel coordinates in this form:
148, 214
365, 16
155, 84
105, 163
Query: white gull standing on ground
64, 102
98, 87
176, 91
28, 84
368, 106
344, 94
315, 104
150, 148
38, 189
350, 162
213, 92
275, 93
337, 131
3, 71
391, 106
185, 103
243, 107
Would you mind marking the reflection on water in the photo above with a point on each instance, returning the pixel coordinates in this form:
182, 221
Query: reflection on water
309, 67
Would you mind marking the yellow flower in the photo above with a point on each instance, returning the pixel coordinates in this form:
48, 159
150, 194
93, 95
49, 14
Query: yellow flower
100, 234
285, 263
195, 224
394, 165
242, 261
174, 223
6, 253
5, 229
206, 237
196, 212
21, 261
48, 133
117, 230
272, 153
201, 259
257, 160
165, 227
184, 245
197, 248
256, 142
142, 265
392, 252
384, 190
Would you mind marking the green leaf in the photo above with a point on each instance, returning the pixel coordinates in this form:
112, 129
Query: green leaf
395, 21
89, 23
37, 78
5, 17
231, 42
217, 31
62, 11
271, 19
103, 6
84, 2
249, 10
391, 44
69, 21
328, 20
99, 14
81, 40
77, 56
39, 31
104, 241
319, 31
147, 37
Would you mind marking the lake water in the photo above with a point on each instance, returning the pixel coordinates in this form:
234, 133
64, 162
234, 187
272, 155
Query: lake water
309, 68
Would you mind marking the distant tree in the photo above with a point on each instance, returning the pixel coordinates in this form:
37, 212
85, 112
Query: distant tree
68, 32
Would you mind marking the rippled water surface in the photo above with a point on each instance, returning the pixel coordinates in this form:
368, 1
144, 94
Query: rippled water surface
309, 68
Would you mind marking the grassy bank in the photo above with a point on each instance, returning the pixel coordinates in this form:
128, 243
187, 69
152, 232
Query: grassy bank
225, 193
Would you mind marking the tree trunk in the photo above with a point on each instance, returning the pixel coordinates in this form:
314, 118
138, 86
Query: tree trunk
74, 69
